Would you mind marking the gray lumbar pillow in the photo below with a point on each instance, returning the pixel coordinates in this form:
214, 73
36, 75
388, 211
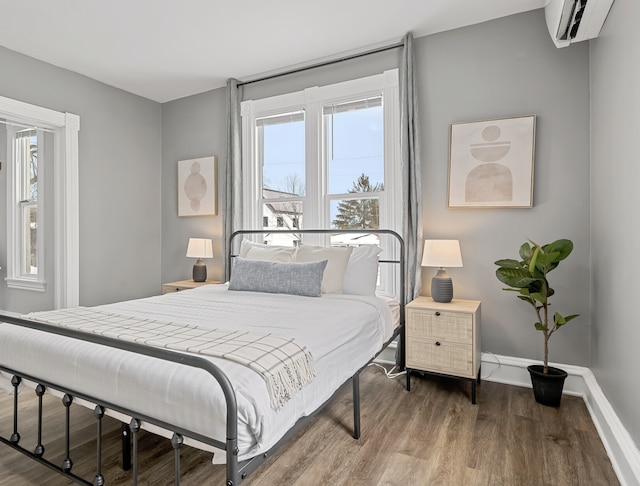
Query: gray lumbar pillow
277, 278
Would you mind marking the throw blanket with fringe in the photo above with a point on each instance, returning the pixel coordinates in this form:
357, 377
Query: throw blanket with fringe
285, 364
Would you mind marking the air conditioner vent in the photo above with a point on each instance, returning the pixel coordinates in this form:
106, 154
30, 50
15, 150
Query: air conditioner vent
575, 20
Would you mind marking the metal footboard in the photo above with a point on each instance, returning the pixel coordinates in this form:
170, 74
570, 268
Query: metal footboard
230, 446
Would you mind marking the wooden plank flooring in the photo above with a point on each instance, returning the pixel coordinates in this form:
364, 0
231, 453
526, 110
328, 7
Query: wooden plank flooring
432, 435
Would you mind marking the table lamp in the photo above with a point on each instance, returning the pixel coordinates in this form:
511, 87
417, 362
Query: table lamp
441, 253
199, 248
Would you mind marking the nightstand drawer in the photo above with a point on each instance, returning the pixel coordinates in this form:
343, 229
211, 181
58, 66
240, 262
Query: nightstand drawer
443, 325
440, 357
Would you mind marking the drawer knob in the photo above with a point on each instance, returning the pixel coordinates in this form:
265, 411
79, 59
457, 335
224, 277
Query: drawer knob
437, 343
437, 313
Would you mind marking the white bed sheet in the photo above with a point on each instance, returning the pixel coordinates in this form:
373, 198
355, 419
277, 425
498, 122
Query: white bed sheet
342, 332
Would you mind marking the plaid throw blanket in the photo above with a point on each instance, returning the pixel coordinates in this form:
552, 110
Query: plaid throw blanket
285, 364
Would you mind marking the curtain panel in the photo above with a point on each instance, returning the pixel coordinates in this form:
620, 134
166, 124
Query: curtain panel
232, 171
411, 173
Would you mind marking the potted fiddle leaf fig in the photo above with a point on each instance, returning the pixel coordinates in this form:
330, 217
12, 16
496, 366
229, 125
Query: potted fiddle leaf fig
529, 278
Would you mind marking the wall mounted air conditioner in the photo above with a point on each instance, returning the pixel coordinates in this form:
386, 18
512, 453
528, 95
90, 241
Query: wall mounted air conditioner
575, 20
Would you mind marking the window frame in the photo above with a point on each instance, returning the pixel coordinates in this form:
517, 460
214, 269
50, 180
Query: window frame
65, 127
17, 206
312, 101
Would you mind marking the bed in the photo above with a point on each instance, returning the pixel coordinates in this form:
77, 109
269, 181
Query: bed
173, 365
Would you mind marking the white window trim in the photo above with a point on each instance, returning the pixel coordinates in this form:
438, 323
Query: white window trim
65, 127
311, 100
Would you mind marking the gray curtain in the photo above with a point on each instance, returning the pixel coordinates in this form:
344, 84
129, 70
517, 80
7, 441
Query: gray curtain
411, 178
232, 171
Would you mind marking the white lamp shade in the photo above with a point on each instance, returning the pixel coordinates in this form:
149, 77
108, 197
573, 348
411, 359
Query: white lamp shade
441, 253
200, 248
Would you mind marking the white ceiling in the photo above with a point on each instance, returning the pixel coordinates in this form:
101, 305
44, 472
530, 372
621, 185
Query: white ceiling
168, 49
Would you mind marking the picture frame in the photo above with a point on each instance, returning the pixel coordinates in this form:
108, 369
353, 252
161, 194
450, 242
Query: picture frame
197, 194
491, 163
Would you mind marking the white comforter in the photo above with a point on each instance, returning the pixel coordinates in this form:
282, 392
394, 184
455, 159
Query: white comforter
342, 332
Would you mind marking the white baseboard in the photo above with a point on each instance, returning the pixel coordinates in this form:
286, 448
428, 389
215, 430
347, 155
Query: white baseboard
622, 451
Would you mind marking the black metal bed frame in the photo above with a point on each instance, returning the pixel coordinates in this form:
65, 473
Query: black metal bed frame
236, 471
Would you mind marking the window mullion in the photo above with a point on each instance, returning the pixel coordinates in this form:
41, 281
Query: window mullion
314, 208
251, 170
391, 214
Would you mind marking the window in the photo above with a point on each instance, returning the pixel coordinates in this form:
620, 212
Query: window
325, 157
61, 141
26, 207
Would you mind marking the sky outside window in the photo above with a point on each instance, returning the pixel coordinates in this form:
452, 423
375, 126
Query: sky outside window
354, 145
284, 155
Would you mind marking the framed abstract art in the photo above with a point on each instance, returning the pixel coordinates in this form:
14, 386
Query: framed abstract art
197, 187
491, 163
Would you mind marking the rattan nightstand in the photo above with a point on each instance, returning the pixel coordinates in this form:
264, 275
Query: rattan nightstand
444, 339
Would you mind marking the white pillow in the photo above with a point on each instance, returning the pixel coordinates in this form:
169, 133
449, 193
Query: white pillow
270, 253
337, 259
361, 274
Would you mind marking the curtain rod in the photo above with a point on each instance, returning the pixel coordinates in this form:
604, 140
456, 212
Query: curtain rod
326, 63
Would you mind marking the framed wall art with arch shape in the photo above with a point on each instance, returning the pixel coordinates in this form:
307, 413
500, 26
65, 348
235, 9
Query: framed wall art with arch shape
491, 163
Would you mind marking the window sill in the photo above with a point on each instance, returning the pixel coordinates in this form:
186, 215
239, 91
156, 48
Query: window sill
26, 284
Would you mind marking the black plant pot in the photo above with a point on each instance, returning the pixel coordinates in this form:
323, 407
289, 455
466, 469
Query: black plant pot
547, 387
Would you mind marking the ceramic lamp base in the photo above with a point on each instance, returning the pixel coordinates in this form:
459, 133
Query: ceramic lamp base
441, 287
199, 271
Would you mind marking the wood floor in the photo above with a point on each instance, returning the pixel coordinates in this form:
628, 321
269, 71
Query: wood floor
432, 435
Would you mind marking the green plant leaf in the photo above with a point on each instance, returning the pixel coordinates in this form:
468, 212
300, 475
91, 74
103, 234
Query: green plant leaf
527, 298
514, 277
561, 320
563, 247
546, 259
525, 252
539, 297
509, 263
541, 327
534, 259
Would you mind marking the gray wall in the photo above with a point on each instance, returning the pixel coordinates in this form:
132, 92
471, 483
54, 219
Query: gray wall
119, 171
615, 232
497, 69
192, 127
